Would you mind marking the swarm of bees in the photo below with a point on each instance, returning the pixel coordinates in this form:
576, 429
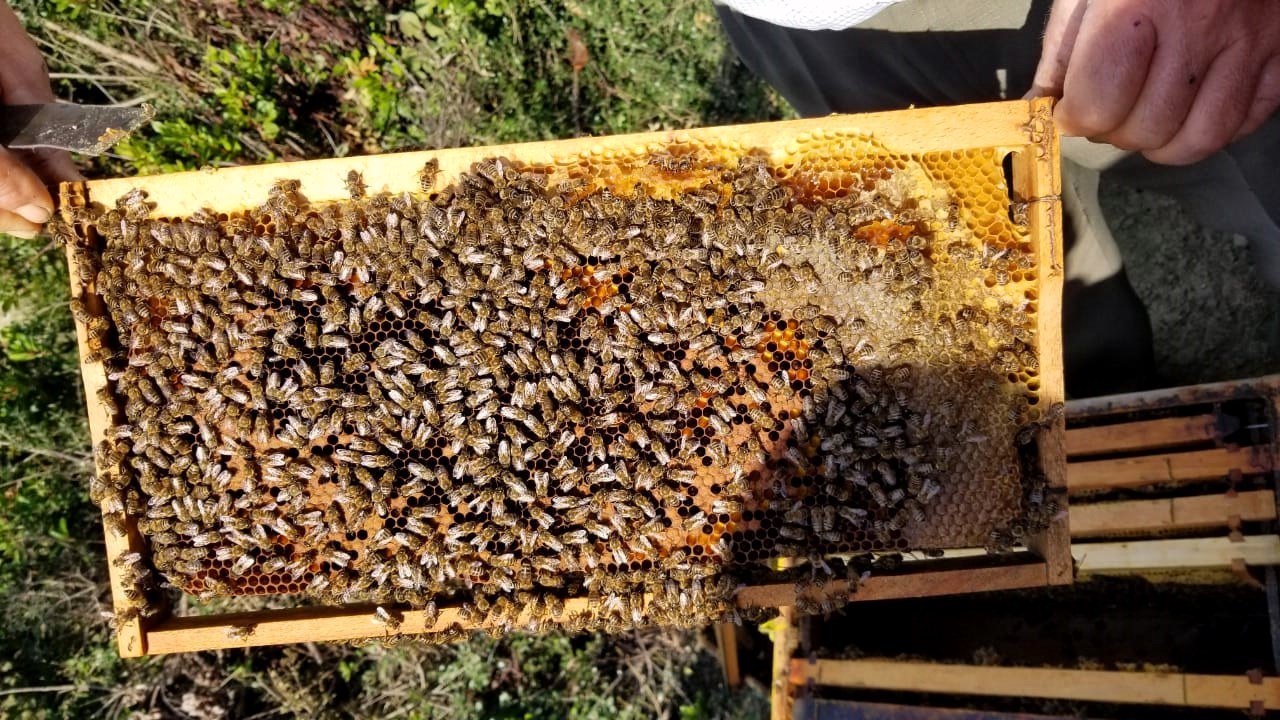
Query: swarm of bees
523, 388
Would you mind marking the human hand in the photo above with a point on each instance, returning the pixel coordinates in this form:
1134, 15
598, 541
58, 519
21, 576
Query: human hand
25, 203
1177, 80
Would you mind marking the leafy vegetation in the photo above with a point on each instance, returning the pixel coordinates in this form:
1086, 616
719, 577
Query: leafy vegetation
237, 82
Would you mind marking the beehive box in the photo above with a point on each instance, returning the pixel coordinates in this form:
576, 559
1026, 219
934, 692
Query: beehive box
596, 383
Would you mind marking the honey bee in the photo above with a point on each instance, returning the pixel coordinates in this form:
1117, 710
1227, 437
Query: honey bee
390, 619
929, 489
428, 174
355, 185
726, 506
1030, 361
134, 205
241, 632
672, 163
792, 532
999, 541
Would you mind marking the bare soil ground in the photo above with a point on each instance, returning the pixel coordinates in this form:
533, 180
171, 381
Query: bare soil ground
1213, 316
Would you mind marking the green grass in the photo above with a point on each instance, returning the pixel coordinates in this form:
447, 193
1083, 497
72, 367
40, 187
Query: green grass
286, 80
290, 79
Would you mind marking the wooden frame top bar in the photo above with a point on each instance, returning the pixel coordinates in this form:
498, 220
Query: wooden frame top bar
1004, 124
1089, 408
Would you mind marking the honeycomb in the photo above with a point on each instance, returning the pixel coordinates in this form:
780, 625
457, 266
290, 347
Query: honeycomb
631, 376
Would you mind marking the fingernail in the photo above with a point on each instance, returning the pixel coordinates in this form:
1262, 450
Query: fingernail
35, 213
21, 234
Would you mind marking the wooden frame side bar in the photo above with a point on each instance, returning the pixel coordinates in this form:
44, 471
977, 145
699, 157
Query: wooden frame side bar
1039, 164
727, 644
785, 641
130, 634
1159, 434
1178, 689
1181, 467
1171, 514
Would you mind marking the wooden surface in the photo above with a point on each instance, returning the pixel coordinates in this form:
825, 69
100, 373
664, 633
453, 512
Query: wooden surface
1002, 125
1139, 556
727, 645
785, 641
1039, 172
1164, 398
954, 582
130, 634
296, 625
926, 583
274, 627
1235, 692
1190, 512
955, 128
1171, 514
1181, 554
1229, 691
1182, 467
1142, 435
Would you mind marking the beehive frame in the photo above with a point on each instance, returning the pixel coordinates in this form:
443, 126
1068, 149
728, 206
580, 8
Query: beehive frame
1023, 129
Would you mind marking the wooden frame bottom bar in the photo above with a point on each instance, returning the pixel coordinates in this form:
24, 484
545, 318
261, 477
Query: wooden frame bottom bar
273, 627
1177, 689
929, 583
184, 634
297, 625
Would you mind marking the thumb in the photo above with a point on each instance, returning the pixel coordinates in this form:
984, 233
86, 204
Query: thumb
50, 166
25, 205
1059, 40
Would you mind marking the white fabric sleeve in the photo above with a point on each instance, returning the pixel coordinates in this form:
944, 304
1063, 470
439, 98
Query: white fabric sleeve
810, 14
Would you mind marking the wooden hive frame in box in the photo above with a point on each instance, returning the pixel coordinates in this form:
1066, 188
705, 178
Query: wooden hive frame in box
1019, 133
1173, 485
